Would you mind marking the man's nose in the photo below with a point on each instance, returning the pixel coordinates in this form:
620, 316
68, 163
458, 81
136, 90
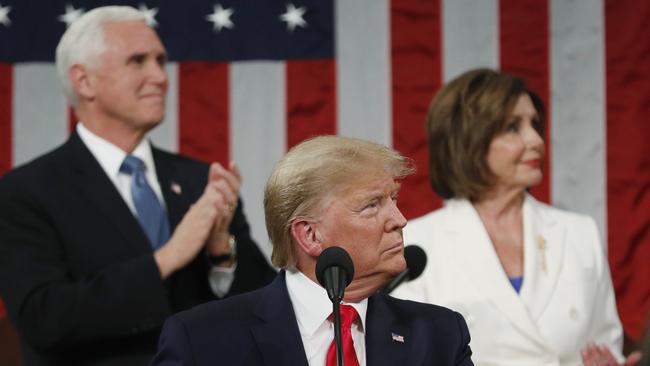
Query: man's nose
396, 219
158, 74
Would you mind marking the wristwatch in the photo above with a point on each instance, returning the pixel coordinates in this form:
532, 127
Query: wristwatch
230, 256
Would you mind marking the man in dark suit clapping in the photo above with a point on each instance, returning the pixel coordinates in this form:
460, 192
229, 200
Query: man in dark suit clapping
106, 236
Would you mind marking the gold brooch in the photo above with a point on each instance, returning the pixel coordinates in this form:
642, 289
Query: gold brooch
541, 246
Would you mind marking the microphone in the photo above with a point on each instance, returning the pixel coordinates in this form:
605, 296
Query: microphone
334, 271
416, 260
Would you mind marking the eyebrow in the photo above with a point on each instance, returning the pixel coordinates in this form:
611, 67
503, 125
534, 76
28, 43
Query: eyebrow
136, 56
379, 193
518, 117
143, 55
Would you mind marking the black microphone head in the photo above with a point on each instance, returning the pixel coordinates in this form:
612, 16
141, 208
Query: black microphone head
334, 257
416, 260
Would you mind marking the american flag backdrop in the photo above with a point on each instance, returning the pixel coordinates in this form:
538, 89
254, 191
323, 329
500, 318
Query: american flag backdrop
251, 78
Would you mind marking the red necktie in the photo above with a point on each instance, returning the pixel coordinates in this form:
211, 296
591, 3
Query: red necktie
348, 316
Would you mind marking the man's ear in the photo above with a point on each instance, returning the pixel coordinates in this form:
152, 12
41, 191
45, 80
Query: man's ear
81, 81
306, 235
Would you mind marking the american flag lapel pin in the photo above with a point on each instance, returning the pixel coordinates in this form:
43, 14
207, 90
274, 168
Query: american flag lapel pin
176, 188
397, 338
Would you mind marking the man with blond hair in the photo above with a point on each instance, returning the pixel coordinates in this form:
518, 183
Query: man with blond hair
327, 191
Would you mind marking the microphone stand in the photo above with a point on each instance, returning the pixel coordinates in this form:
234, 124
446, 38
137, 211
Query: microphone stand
336, 310
335, 271
337, 277
396, 282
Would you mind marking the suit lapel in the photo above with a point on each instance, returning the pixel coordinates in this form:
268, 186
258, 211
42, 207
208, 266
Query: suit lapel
387, 340
175, 192
472, 249
544, 241
90, 180
277, 336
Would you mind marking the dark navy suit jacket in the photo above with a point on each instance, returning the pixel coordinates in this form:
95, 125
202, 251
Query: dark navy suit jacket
260, 328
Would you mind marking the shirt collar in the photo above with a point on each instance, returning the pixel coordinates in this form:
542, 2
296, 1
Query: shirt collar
109, 156
311, 304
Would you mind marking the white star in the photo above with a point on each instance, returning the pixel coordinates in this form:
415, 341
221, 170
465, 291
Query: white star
293, 17
4, 15
71, 14
149, 14
221, 18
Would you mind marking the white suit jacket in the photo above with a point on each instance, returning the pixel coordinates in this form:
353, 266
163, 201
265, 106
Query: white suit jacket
566, 298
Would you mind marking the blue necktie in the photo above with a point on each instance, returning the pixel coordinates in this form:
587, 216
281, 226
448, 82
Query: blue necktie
151, 214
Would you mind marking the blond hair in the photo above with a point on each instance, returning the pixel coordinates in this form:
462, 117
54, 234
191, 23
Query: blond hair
310, 172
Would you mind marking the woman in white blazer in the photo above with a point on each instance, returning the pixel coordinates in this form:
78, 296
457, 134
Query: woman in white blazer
532, 281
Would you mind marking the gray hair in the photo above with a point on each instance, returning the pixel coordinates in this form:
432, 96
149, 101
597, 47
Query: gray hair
314, 170
83, 42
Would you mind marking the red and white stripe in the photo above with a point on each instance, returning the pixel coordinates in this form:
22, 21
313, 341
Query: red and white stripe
589, 60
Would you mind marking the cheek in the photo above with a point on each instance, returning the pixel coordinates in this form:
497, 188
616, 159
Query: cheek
364, 252
128, 82
503, 153
373, 244
496, 159
117, 90
341, 236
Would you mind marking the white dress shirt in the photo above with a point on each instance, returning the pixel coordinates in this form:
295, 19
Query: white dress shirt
313, 308
110, 158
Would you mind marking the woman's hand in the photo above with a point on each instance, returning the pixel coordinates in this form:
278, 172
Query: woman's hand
599, 355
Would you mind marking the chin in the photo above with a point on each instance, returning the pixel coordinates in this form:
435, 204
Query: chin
398, 266
152, 121
535, 181
530, 180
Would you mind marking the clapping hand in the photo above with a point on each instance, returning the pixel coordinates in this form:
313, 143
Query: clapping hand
205, 225
599, 355
227, 182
